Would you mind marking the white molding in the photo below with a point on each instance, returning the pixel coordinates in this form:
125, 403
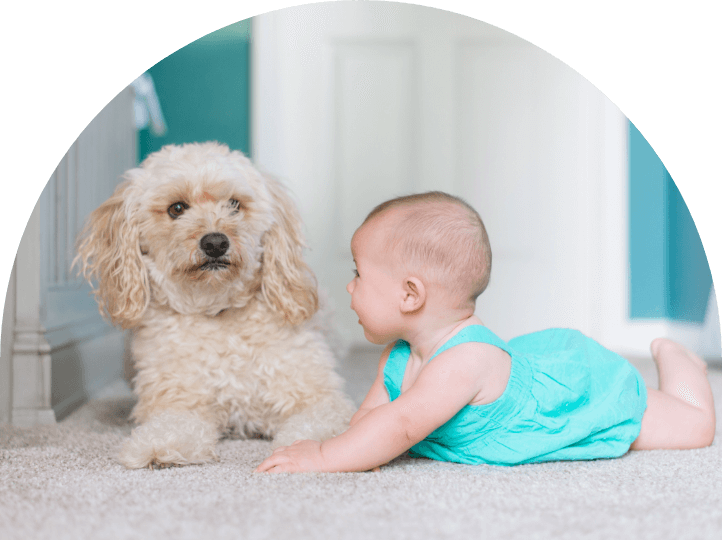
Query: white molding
57, 350
6, 351
31, 360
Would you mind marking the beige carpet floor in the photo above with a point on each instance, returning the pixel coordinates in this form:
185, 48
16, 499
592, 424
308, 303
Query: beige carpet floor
63, 482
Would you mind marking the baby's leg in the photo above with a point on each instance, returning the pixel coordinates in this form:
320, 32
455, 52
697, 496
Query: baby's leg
681, 413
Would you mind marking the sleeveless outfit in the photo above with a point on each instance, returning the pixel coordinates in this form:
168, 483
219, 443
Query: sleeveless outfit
567, 398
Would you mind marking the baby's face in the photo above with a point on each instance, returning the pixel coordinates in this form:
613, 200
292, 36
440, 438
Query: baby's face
377, 287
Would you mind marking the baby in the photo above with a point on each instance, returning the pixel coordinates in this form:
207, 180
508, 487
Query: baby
447, 388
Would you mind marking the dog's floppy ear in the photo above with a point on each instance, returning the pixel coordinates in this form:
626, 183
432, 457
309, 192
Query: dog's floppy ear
109, 253
287, 283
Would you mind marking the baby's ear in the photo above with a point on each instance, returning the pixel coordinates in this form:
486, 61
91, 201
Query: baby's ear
414, 296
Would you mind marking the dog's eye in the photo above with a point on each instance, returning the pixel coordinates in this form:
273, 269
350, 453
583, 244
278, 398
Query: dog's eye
235, 204
176, 209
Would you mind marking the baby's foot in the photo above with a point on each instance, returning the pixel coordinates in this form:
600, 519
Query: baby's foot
664, 349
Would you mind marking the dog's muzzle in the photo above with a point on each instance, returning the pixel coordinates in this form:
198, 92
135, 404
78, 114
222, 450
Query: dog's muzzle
214, 245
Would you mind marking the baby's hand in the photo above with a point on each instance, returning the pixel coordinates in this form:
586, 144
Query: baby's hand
301, 456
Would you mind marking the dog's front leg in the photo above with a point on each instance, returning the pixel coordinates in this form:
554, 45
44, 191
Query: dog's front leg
170, 438
320, 420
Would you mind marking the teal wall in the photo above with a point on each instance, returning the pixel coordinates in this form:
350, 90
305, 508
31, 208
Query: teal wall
204, 91
669, 274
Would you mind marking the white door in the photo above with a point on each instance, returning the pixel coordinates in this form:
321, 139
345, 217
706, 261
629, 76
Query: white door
355, 103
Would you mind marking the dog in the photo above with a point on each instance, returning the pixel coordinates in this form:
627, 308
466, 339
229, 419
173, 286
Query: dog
200, 255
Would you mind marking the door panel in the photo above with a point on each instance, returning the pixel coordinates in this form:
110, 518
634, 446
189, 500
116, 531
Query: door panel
358, 102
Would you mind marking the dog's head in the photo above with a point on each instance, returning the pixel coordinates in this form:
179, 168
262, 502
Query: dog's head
199, 229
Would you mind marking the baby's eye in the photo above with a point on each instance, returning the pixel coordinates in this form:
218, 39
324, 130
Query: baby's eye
355, 272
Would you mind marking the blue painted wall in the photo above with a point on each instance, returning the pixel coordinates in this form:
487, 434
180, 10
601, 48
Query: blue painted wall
204, 91
668, 269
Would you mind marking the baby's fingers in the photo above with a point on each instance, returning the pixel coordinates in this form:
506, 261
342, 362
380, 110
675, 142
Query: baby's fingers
285, 467
282, 448
273, 461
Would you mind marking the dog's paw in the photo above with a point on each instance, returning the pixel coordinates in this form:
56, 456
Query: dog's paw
168, 439
322, 420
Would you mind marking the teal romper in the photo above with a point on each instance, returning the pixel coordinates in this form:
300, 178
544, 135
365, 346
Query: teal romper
567, 398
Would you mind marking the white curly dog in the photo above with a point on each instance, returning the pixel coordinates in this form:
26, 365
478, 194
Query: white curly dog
201, 256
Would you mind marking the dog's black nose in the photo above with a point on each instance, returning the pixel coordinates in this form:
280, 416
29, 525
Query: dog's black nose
215, 244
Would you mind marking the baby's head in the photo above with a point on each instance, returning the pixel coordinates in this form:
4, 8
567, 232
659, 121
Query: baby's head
440, 239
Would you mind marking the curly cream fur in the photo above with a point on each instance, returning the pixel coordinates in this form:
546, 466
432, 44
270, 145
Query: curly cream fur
232, 350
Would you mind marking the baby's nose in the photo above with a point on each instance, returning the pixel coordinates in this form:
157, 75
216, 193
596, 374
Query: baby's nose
349, 287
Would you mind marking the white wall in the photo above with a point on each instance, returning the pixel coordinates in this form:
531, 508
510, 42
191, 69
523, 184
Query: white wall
56, 349
87, 353
357, 102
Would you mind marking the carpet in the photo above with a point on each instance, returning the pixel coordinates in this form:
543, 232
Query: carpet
64, 482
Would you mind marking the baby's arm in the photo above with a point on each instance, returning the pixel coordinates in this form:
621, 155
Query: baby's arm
377, 394
443, 387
